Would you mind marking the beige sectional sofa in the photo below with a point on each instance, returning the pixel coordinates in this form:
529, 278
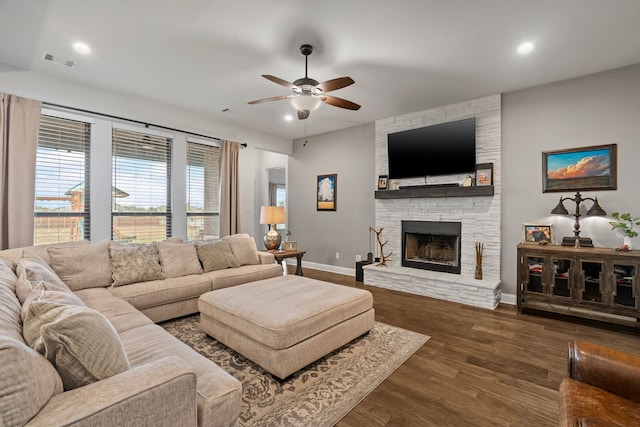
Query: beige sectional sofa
78, 342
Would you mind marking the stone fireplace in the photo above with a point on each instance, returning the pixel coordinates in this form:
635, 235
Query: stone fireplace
451, 259
431, 245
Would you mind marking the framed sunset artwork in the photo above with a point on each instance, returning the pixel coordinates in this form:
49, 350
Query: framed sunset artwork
580, 169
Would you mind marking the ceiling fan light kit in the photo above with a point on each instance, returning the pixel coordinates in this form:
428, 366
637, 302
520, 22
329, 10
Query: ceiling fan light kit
308, 94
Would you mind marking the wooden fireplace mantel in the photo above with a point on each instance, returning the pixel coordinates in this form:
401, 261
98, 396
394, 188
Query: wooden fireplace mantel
406, 193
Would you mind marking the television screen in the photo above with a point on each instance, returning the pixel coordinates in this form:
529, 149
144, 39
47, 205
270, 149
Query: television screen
443, 149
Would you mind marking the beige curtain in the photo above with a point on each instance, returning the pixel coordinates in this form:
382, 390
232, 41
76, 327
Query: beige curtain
19, 123
229, 200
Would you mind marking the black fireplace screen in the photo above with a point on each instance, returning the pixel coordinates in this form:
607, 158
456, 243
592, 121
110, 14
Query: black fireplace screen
431, 245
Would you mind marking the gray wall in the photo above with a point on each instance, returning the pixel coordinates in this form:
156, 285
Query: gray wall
349, 154
603, 108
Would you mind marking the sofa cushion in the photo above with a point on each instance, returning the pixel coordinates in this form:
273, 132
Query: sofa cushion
82, 267
216, 255
32, 269
122, 315
134, 263
154, 293
247, 273
178, 259
244, 248
27, 382
79, 341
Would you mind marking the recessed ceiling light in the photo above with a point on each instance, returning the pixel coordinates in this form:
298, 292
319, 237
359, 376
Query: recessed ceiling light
525, 48
288, 117
82, 48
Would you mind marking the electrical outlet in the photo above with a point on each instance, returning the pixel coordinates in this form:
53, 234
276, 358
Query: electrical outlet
337, 255
358, 258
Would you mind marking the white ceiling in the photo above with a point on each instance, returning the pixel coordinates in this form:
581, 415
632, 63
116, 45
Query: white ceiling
404, 55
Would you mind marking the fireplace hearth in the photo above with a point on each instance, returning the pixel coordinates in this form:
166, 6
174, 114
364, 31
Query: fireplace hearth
431, 245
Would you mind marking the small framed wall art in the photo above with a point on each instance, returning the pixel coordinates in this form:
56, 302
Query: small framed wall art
541, 234
580, 169
326, 187
383, 182
484, 174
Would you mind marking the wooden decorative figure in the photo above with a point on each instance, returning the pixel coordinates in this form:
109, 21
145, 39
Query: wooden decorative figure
383, 257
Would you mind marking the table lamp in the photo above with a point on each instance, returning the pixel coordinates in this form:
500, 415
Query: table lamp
272, 215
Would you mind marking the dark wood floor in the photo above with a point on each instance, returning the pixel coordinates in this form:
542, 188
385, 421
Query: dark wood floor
480, 367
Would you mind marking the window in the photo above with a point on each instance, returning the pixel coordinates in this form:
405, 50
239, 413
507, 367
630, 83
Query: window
140, 195
203, 201
61, 205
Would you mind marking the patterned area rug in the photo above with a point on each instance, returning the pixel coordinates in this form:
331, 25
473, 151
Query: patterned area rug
317, 395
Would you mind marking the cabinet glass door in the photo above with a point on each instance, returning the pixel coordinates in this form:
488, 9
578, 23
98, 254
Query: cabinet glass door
591, 275
623, 290
560, 286
535, 266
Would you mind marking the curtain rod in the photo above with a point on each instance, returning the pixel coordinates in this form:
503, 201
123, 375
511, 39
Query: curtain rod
49, 104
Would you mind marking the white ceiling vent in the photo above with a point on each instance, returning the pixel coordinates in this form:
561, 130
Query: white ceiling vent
65, 62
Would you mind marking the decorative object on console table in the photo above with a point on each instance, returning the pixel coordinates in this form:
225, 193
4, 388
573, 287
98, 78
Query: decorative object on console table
479, 250
484, 174
580, 169
382, 182
290, 246
326, 187
271, 215
383, 257
625, 223
595, 210
541, 234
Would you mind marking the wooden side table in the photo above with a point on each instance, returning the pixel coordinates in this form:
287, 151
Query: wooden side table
280, 255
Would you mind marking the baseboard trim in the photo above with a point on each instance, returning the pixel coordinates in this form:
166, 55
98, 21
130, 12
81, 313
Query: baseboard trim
510, 299
324, 267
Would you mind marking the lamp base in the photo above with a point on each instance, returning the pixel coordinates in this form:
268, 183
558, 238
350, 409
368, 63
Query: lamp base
585, 242
272, 240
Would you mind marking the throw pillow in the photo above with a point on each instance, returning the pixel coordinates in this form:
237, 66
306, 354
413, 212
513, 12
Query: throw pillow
43, 292
82, 267
216, 256
79, 341
10, 321
134, 263
27, 381
178, 259
244, 248
32, 269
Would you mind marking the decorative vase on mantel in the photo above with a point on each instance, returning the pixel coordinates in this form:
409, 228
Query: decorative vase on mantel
627, 243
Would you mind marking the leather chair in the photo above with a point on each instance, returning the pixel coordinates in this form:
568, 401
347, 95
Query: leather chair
602, 388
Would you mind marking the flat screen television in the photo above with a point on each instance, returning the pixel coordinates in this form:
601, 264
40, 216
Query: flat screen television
443, 149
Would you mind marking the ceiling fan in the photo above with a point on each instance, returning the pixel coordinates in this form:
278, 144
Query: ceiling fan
308, 94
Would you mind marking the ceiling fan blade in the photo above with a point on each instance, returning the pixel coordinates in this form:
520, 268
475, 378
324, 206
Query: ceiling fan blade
273, 98
335, 84
279, 81
339, 102
302, 115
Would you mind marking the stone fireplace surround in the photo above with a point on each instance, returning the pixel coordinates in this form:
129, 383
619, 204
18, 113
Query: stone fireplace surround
479, 215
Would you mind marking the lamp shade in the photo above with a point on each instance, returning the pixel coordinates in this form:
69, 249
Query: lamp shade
272, 215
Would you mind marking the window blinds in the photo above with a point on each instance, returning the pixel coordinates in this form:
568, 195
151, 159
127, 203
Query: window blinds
62, 202
141, 195
203, 201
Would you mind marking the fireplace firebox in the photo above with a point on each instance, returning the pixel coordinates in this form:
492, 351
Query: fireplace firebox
431, 245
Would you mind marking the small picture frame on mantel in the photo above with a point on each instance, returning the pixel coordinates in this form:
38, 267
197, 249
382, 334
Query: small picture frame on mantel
383, 182
484, 174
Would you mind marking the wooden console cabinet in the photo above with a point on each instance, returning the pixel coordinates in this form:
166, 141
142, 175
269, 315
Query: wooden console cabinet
594, 283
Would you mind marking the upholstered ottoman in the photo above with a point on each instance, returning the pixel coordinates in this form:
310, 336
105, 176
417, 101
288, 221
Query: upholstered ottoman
285, 323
